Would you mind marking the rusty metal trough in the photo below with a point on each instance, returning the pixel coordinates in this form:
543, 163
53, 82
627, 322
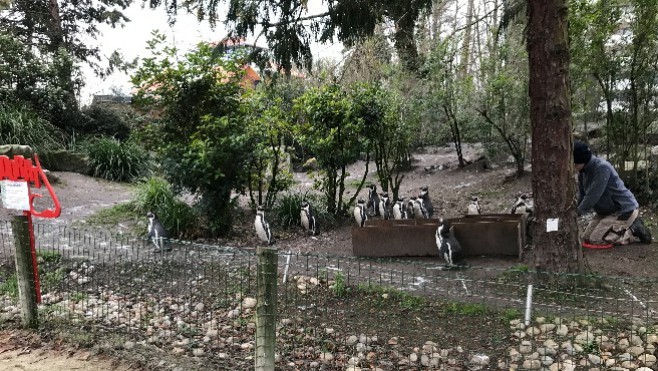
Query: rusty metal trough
479, 235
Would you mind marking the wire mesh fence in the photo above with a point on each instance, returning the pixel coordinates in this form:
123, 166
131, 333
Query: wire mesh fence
196, 306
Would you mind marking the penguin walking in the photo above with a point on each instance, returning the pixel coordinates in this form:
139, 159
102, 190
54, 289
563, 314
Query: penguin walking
449, 248
385, 206
360, 215
262, 227
426, 203
474, 207
399, 210
373, 201
157, 233
308, 218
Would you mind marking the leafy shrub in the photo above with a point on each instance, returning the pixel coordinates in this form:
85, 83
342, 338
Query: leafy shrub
286, 210
19, 125
179, 218
114, 160
107, 119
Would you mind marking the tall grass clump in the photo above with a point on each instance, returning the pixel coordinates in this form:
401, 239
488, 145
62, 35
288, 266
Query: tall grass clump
19, 125
287, 208
179, 218
114, 160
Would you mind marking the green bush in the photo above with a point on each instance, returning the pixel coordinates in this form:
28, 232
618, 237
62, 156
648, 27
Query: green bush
114, 160
287, 208
19, 125
179, 218
107, 119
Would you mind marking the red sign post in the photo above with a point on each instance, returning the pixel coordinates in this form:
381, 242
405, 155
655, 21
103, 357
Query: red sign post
22, 169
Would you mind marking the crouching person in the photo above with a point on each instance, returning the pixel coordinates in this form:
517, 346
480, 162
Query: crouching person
601, 190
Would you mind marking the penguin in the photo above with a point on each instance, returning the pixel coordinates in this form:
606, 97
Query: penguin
373, 201
523, 205
399, 210
262, 227
410, 208
308, 218
426, 203
449, 248
419, 212
474, 207
360, 214
385, 206
157, 233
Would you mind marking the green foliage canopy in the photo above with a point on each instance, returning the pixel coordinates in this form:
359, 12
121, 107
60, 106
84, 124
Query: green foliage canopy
203, 136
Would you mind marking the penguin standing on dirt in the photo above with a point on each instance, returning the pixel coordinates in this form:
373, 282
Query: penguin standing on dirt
474, 207
385, 206
360, 215
399, 210
419, 212
523, 205
157, 233
262, 227
308, 218
426, 203
410, 208
449, 248
373, 200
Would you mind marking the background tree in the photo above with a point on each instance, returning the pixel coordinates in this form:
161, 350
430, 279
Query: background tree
387, 135
269, 130
58, 32
332, 135
553, 183
289, 30
204, 144
504, 98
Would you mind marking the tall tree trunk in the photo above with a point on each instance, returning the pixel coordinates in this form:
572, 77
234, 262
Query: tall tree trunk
57, 44
553, 182
466, 43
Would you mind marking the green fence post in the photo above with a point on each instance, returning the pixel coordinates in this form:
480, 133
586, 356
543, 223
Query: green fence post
25, 272
266, 281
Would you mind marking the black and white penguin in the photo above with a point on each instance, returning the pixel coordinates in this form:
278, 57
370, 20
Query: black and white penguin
262, 227
308, 218
399, 210
411, 214
360, 215
419, 212
373, 201
426, 203
449, 248
385, 206
474, 207
523, 205
157, 233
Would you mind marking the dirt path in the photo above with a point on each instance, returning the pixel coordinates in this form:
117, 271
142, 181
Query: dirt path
22, 350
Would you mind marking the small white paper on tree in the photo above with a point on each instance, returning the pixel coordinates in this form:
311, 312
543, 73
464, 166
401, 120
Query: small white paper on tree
15, 195
551, 225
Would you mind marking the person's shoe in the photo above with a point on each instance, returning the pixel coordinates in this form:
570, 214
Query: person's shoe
639, 230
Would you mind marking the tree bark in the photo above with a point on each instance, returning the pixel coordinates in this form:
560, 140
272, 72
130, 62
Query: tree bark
553, 182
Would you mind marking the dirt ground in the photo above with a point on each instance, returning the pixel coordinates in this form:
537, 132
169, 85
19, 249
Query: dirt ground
436, 167
450, 189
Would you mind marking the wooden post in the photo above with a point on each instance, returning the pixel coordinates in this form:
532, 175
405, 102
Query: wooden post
266, 281
25, 272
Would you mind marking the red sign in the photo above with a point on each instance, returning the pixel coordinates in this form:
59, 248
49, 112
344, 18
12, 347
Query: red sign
21, 168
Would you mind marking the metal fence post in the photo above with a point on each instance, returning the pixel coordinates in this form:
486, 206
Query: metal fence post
25, 272
266, 281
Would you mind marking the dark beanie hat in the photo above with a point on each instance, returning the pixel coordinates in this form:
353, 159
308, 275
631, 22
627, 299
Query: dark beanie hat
581, 153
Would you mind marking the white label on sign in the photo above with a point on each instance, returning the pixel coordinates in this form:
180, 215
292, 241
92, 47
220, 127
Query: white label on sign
15, 195
551, 225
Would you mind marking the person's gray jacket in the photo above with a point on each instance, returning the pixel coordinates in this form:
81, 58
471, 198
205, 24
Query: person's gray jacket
601, 190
